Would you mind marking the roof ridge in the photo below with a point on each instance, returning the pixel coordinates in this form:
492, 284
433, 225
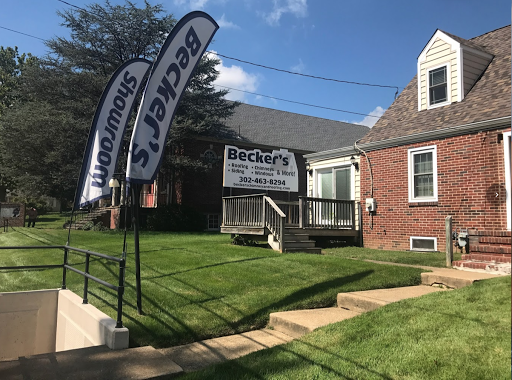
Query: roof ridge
300, 114
491, 31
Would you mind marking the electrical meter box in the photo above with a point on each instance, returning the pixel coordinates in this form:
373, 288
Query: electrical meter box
370, 204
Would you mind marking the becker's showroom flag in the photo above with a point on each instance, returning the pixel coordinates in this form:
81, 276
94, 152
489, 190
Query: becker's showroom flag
107, 130
170, 74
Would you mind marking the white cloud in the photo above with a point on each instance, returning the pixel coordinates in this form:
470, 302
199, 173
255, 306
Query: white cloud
299, 67
192, 4
223, 23
370, 121
235, 77
298, 8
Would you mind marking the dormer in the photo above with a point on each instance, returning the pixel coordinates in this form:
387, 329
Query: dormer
448, 67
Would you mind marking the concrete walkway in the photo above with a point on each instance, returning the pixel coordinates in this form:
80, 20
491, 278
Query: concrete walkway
148, 363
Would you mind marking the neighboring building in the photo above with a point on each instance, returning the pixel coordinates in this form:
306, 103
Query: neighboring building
443, 149
250, 127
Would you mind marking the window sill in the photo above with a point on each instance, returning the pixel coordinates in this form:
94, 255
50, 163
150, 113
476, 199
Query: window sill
423, 204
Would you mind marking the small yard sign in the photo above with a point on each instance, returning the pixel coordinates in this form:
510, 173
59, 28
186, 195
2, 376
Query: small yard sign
254, 169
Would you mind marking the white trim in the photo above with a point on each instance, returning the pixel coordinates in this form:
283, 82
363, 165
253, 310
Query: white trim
438, 34
410, 172
411, 238
460, 75
331, 167
506, 149
448, 85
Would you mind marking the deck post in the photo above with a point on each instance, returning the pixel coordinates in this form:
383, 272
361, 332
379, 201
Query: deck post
281, 233
301, 212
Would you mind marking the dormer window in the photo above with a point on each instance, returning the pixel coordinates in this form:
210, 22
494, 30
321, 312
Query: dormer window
438, 86
448, 67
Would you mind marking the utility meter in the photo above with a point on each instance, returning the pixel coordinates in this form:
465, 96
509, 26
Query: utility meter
370, 204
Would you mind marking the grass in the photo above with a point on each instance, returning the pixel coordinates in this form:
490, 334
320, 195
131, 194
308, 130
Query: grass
461, 334
433, 259
194, 286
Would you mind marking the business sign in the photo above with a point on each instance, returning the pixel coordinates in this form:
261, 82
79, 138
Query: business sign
107, 131
253, 169
170, 75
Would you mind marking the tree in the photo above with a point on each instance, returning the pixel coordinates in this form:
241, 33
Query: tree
61, 93
12, 64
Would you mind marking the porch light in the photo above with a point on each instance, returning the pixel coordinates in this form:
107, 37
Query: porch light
354, 162
113, 183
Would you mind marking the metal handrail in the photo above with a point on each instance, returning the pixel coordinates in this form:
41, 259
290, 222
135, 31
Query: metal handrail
65, 266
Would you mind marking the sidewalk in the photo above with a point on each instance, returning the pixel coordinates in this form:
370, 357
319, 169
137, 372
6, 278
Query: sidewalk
148, 363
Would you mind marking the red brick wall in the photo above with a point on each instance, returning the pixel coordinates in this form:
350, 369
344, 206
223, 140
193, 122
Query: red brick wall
470, 170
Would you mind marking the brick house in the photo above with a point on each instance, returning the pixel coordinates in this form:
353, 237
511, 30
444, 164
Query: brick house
443, 149
250, 127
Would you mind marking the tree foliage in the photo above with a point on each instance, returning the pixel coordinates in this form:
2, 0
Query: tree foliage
44, 133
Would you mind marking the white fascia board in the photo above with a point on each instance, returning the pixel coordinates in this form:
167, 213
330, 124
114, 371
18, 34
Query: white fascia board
438, 34
332, 153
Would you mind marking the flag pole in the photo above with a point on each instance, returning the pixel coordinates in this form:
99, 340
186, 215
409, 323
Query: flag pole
135, 192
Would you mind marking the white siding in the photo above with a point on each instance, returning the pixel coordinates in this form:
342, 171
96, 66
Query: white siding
333, 163
439, 53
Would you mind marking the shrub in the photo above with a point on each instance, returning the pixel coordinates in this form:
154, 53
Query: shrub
175, 218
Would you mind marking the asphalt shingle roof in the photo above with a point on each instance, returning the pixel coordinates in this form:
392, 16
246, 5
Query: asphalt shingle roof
489, 98
266, 126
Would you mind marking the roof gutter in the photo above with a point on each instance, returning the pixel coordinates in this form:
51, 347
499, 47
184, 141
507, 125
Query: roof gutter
459, 130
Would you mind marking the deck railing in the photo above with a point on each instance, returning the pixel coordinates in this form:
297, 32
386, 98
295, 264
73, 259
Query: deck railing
291, 210
274, 219
244, 210
327, 213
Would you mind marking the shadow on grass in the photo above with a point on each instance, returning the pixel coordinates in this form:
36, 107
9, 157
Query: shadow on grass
304, 294
204, 267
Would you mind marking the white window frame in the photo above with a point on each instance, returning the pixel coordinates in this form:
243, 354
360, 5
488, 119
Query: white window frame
208, 222
448, 85
410, 156
325, 168
434, 239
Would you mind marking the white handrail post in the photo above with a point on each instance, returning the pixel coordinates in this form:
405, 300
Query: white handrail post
281, 233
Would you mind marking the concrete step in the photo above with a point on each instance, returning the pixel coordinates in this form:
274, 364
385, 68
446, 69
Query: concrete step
453, 279
98, 363
315, 250
196, 356
299, 322
372, 299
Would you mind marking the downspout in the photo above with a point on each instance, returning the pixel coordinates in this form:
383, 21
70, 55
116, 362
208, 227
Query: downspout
371, 176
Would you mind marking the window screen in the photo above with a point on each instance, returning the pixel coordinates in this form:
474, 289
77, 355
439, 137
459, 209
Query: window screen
438, 85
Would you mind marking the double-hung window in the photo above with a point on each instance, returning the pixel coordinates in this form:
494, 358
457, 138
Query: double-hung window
437, 86
423, 174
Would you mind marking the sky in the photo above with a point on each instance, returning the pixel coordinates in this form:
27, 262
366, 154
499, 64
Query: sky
365, 41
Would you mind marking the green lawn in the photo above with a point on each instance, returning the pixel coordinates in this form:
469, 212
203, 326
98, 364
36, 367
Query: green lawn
433, 259
195, 286
461, 334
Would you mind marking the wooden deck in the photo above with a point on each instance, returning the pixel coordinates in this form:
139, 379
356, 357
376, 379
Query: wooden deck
259, 215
